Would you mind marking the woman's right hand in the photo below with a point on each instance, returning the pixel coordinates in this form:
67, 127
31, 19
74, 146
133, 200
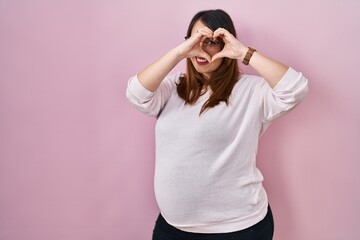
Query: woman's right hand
151, 76
192, 47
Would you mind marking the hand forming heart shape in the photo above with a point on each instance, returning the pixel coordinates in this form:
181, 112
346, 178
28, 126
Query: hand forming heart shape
194, 45
233, 48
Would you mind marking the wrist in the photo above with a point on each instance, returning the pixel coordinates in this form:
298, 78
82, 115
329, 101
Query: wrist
247, 56
178, 54
242, 53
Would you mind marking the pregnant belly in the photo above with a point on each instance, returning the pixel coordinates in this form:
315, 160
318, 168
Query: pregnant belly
185, 199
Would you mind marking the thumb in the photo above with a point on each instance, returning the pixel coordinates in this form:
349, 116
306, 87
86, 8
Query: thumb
206, 56
217, 56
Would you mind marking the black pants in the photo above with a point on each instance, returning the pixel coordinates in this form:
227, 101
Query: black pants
263, 230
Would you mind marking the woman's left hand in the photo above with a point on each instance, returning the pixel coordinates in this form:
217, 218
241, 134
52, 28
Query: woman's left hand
233, 48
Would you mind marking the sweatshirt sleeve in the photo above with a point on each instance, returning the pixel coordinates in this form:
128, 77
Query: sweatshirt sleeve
150, 103
289, 92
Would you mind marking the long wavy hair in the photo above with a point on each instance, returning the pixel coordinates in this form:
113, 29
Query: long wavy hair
223, 79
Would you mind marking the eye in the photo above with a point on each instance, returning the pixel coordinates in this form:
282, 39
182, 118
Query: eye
210, 42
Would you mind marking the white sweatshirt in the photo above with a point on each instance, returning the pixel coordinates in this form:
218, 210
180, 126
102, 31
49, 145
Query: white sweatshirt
206, 179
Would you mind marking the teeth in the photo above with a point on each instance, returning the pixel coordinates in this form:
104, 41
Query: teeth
201, 59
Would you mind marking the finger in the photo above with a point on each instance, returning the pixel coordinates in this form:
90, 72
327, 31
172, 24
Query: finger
204, 32
203, 35
208, 30
195, 39
205, 55
218, 56
220, 31
223, 33
205, 29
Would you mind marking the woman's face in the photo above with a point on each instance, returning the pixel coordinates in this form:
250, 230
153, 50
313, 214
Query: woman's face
210, 47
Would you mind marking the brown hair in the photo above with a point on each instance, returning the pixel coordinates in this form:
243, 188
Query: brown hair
223, 79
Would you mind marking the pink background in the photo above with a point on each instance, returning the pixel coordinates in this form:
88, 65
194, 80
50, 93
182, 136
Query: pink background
76, 160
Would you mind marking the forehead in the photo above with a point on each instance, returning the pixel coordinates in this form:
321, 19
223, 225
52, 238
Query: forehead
198, 25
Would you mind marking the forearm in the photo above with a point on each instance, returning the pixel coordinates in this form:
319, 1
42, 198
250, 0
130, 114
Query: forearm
151, 76
271, 70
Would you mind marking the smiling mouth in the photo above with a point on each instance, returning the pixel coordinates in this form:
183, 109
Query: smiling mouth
201, 61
